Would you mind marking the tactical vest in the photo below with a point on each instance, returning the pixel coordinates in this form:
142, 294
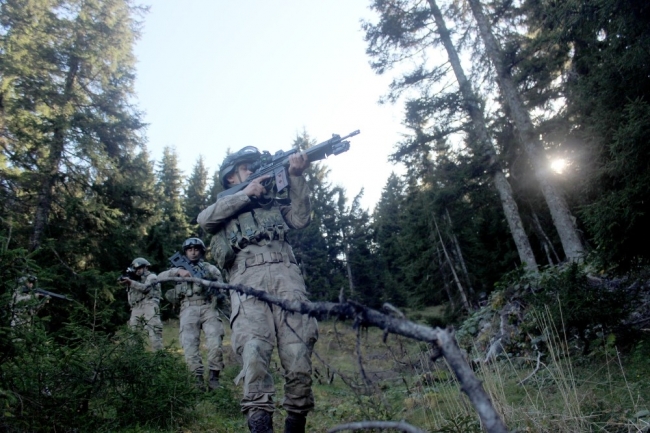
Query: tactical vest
190, 290
258, 227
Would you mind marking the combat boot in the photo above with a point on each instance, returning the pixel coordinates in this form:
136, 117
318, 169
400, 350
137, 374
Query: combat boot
260, 421
295, 423
213, 381
200, 384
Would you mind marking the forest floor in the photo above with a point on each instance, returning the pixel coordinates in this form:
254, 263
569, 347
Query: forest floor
358, 376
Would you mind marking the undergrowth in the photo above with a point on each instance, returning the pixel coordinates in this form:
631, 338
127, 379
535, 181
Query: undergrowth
80, 379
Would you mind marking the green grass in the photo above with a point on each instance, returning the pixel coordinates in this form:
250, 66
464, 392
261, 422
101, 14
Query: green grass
603, 393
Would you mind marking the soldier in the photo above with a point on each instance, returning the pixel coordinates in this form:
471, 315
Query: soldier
198, 312
23, 302
144, 299
250, 242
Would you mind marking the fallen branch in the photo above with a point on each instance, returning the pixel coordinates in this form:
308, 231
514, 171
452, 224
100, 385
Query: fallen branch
378, 425
363, 316
539, 362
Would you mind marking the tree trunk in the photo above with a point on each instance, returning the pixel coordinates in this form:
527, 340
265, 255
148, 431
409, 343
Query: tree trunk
444, 281
349, 270
546, 242
461, 290
485, 147
51, 172
459, 254
562, 218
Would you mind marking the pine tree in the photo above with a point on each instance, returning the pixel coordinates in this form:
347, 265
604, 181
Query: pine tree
363, 270
403, 32
132, 192
513, 100
168, 234
318, 246
605, 78
387, 231
196, 193
215, 187
67, 74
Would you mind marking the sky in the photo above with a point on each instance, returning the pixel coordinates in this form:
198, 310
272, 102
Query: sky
220, 74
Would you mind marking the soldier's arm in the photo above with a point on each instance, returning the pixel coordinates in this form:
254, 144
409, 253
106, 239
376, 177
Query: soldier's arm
215, 274
169, 273
143, 287
214, 215
298, 213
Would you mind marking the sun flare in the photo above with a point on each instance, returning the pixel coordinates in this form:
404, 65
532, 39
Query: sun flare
558, 165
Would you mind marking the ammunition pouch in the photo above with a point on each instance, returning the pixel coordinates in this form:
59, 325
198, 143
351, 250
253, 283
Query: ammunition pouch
262, 258
257, 227
186, 290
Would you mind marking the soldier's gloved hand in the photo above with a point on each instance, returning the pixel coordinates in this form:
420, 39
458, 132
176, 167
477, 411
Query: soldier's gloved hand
126, 281
183, 273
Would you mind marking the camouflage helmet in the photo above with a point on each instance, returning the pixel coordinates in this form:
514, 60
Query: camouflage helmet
139, 262
230, 163
193, 242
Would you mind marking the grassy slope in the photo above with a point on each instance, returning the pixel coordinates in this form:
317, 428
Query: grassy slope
400, 382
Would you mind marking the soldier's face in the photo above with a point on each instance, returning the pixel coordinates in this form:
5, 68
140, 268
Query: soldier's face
140, 270
193, 254
241, 174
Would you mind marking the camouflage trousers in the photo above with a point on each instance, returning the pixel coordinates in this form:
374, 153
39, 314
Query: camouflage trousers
193, 319
257, 327
146, 315
21, 317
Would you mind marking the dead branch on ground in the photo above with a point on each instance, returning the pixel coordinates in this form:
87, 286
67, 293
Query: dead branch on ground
363, 316
377, 425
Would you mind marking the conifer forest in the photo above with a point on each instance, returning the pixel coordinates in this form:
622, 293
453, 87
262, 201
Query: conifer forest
540, 280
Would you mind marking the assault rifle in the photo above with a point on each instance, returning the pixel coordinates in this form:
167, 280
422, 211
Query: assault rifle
48, 293
128, 274
277, 164
51, 294
180, 261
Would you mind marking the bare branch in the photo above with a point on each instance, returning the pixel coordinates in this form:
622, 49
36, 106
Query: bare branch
539, 362
363, 316
379, 425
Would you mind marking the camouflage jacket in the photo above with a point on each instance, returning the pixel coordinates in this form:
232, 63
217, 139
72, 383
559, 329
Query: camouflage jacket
142, 290
236, 221
191, 291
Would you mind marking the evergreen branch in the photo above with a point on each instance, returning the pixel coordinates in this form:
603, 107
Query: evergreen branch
363, 316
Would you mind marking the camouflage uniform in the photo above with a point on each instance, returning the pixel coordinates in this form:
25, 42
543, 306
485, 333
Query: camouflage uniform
144, 300
24, 305
198, 312
250, 242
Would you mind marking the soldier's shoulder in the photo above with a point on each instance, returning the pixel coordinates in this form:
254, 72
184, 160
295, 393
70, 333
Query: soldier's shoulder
212, 268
